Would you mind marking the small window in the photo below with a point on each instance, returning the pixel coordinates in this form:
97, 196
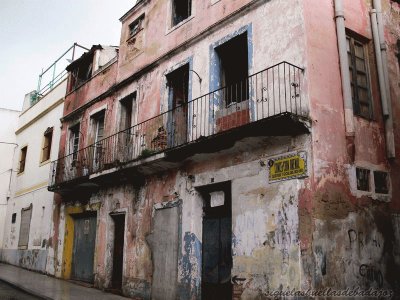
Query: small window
136, 26
362, 179
359, 80
13, 218
22, 159
381, 182
74, 141
48, 137
181, 10
25, 225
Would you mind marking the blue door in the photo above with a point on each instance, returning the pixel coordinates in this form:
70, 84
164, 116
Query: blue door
84, 246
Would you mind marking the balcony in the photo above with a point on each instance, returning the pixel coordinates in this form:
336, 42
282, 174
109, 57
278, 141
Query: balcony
267, 103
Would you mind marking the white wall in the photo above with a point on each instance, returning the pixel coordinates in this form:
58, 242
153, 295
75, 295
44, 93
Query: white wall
8, 125
30, 186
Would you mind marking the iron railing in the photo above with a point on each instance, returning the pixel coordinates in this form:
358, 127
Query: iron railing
271, 92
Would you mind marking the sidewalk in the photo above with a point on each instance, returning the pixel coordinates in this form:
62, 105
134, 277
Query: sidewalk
50, 288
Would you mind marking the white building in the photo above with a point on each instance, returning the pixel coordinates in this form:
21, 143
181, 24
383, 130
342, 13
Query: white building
8, 125
27, 228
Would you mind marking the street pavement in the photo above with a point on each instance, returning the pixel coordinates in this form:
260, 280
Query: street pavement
9, 292
46, 287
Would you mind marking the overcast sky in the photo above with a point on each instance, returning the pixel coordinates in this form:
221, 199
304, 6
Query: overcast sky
34, 33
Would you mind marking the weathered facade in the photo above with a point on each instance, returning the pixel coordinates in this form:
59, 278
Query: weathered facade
228, 149
27, 231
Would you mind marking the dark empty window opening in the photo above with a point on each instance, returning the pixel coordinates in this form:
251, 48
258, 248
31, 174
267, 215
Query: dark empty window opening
362, 179
13, 218
178, 85
181, 10
381, 180
48, 137
22, 159
136, 26
360, 89
234, 68
82, 71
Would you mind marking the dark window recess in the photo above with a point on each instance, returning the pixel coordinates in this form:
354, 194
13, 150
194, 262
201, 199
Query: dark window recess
381, 182
48, 137
74, 141
360, 89
13, 218
82, 71
22, 160
178, 91
126, 111
136, 26
181, 10
234, 68
362, 179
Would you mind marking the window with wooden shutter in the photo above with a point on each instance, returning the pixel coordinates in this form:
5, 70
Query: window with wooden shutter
26, 215
359, 80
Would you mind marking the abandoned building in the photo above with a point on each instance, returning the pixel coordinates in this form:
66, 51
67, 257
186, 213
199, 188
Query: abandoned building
227, 149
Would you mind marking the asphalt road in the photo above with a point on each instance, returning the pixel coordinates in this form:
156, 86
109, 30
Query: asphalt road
8, 292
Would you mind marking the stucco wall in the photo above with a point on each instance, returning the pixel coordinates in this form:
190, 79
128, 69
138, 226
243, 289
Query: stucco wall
30, 187
9, 119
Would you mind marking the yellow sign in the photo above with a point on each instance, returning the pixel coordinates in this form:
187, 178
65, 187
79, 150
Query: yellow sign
287, 167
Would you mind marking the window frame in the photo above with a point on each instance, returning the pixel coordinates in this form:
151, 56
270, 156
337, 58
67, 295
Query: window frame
174, 22
354, 40
22, 159
139, 21
46, 145
74, 140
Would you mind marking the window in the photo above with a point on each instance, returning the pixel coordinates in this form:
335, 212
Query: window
362, 179
13, 218
359, 81
181, 10
26, 214
74, 141
22, 159
381, 182
98, 127
126, 111
48, 137
98, 122
178, 94
234, 65
136, 26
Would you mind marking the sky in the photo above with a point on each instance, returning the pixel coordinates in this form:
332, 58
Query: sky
34, 33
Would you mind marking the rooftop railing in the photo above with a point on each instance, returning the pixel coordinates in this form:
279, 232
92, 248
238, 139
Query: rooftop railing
268, 93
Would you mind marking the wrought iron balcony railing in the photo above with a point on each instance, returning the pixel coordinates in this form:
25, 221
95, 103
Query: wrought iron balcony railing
271, 92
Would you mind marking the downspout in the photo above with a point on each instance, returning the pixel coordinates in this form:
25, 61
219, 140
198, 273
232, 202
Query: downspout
383, 75
345, 76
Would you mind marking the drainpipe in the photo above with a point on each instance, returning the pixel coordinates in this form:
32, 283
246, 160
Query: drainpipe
381, 61
345, 76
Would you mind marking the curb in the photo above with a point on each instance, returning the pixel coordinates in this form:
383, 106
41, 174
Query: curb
25, 290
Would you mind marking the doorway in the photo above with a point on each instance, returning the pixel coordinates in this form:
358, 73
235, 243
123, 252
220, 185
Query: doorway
118, 253
84, 246
178, 94
217, 242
